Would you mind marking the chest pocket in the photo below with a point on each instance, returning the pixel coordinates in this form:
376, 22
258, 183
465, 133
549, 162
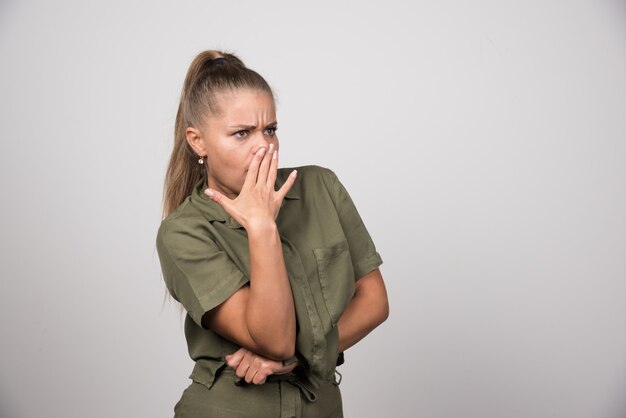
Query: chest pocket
336, 275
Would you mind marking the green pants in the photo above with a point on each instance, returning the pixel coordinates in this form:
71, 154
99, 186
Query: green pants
281, 396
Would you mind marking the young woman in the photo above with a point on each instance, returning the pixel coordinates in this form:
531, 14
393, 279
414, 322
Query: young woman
274, 266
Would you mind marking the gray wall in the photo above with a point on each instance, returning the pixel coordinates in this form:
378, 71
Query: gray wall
483, 142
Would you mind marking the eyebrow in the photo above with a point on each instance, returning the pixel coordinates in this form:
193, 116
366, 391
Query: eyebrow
252, 126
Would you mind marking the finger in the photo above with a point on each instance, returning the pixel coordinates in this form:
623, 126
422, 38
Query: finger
260, 377
256, 367
291, 179
218, 197
253, 168
235, 358
245, 364
233, 362
242, 369
265, 165
271, 178
252, 371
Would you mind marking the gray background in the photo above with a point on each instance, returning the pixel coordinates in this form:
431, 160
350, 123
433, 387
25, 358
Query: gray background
483, 143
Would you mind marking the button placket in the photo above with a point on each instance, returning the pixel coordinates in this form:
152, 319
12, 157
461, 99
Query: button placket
319, 340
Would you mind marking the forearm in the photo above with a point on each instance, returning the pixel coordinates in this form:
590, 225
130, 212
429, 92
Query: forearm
270, 313
367, 310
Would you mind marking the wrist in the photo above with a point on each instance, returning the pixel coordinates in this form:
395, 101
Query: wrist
262, 228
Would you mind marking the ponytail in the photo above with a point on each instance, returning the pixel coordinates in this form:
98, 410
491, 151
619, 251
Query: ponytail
210, 72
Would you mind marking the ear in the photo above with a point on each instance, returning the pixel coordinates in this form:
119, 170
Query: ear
194, 138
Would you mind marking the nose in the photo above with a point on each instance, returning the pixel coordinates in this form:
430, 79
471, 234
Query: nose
265, 141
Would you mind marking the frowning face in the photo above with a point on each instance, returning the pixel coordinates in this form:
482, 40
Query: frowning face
246, 121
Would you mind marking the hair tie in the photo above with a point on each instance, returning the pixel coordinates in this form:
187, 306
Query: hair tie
217, 60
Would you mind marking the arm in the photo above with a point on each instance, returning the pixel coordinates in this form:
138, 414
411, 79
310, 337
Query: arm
261, 316
368, 308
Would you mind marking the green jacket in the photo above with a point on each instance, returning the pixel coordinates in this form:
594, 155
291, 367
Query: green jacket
204, 257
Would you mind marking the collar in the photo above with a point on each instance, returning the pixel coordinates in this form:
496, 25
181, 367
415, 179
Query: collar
213, 211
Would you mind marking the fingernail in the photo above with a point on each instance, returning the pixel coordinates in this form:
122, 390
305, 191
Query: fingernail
261, 151
271, 147
294, 173
209, 192
275, 156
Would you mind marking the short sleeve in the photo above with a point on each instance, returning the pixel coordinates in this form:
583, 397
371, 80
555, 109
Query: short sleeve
197, 273
365, 257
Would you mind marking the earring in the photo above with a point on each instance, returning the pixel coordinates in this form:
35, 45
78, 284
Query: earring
201, 160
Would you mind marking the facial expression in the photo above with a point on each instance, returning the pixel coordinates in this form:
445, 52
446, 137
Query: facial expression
229, 140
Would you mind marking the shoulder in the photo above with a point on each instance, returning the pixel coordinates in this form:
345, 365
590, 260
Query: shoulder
184, 221
311, 175
307, 170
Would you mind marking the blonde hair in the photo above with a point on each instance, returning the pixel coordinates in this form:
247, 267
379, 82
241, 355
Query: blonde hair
207, 75
203, 81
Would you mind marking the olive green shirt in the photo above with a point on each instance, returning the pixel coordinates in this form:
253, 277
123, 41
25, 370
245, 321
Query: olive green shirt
204, 257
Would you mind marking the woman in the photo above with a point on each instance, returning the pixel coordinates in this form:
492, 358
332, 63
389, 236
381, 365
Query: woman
274, 266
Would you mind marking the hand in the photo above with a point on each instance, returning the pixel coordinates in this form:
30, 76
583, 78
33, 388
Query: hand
257, 203
256, 368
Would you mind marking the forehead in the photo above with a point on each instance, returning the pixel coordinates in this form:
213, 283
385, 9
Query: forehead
243, 104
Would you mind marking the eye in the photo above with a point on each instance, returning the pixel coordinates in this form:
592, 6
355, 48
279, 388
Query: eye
241, 134
271, 131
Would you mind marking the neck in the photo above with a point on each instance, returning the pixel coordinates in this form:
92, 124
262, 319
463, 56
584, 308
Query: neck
216, 185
